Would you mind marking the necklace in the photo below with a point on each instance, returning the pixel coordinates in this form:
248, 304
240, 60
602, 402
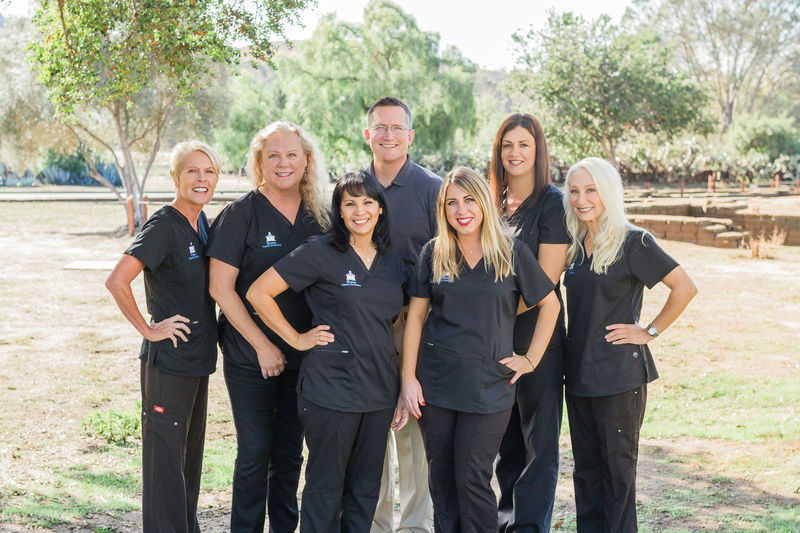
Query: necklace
366, 255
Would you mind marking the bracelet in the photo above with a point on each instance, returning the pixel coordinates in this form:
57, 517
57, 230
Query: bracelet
533, 367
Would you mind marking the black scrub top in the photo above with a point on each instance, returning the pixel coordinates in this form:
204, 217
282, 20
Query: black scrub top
176, 283
540, 221
470, 328
411, 199
594, 366
252, 235
356, 373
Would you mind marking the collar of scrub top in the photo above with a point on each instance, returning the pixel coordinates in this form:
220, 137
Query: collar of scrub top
401, 180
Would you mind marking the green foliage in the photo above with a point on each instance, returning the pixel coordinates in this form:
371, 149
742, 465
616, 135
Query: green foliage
116, 70
104, 52
27, 119
253, 102
331, 79
773, 136
603, 83
744, 52
115, 427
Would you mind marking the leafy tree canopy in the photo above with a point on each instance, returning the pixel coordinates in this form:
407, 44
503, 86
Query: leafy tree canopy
329, 82
135, 61
601, 82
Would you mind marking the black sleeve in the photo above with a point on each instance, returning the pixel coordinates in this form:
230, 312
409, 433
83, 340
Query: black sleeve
303, 266
532, 283
229, 235
553, 223
420, 282
433, 196
154, 242
646, 260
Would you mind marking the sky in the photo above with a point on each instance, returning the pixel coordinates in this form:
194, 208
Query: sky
482, 33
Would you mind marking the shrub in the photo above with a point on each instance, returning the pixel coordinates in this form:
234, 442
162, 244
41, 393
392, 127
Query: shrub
115, 427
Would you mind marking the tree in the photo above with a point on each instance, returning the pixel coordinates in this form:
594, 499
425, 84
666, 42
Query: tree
127, 65
739, 48
601, 82
27, 119
328, 83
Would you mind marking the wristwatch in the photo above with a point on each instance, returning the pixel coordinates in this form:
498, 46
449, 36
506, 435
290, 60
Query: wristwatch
651, 330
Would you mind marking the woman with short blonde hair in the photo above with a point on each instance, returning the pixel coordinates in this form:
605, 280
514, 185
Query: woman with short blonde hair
179, 348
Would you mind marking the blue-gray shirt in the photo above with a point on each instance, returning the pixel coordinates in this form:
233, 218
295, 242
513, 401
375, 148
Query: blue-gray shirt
411, 199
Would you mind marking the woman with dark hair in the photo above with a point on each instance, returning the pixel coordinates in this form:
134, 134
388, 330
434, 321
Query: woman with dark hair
527, 467
348, 383
179, 349
459, 368
287, 205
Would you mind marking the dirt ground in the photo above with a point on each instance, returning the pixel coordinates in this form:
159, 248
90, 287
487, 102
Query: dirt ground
65, 351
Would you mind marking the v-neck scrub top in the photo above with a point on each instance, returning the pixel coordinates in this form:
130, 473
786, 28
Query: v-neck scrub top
176, 283
252, 235
540, 221
470, 328
594, 366
358, 371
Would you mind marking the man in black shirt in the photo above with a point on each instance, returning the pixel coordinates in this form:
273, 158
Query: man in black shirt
411, 193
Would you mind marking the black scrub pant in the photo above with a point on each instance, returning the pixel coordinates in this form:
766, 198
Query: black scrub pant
460, 448
173, 435
345, 463
527, 467
269, 451
605, 443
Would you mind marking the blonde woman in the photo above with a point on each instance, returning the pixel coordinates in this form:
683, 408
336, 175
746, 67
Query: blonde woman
459, 369
287, 206
179, 348
608, 363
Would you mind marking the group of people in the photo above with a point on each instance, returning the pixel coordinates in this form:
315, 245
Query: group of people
409, 316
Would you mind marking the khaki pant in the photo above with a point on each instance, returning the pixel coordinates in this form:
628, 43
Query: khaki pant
415, 500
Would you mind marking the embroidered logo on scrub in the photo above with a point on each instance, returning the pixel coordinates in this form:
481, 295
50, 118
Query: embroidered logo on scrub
192, 253
446, 278
270, 241
350, 280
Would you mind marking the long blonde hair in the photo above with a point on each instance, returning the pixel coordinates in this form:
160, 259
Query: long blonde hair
312, 184
496, 240
614, 226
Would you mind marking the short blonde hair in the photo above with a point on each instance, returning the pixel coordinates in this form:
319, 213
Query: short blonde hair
496, 240
312, 184
183, 149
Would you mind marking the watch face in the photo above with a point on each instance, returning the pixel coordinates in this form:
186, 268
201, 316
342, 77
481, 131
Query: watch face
652, 331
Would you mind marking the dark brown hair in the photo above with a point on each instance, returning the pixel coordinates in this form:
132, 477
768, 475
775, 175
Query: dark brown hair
541, 166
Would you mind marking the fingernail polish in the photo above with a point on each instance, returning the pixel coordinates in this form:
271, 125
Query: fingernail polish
423, 403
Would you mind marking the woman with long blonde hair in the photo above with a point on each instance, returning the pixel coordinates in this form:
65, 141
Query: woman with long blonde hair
608, 363
459, 368
286, 207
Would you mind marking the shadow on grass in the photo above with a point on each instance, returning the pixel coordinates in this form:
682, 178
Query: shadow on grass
678, 491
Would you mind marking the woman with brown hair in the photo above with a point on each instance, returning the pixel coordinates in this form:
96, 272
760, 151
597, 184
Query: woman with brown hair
527, 468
